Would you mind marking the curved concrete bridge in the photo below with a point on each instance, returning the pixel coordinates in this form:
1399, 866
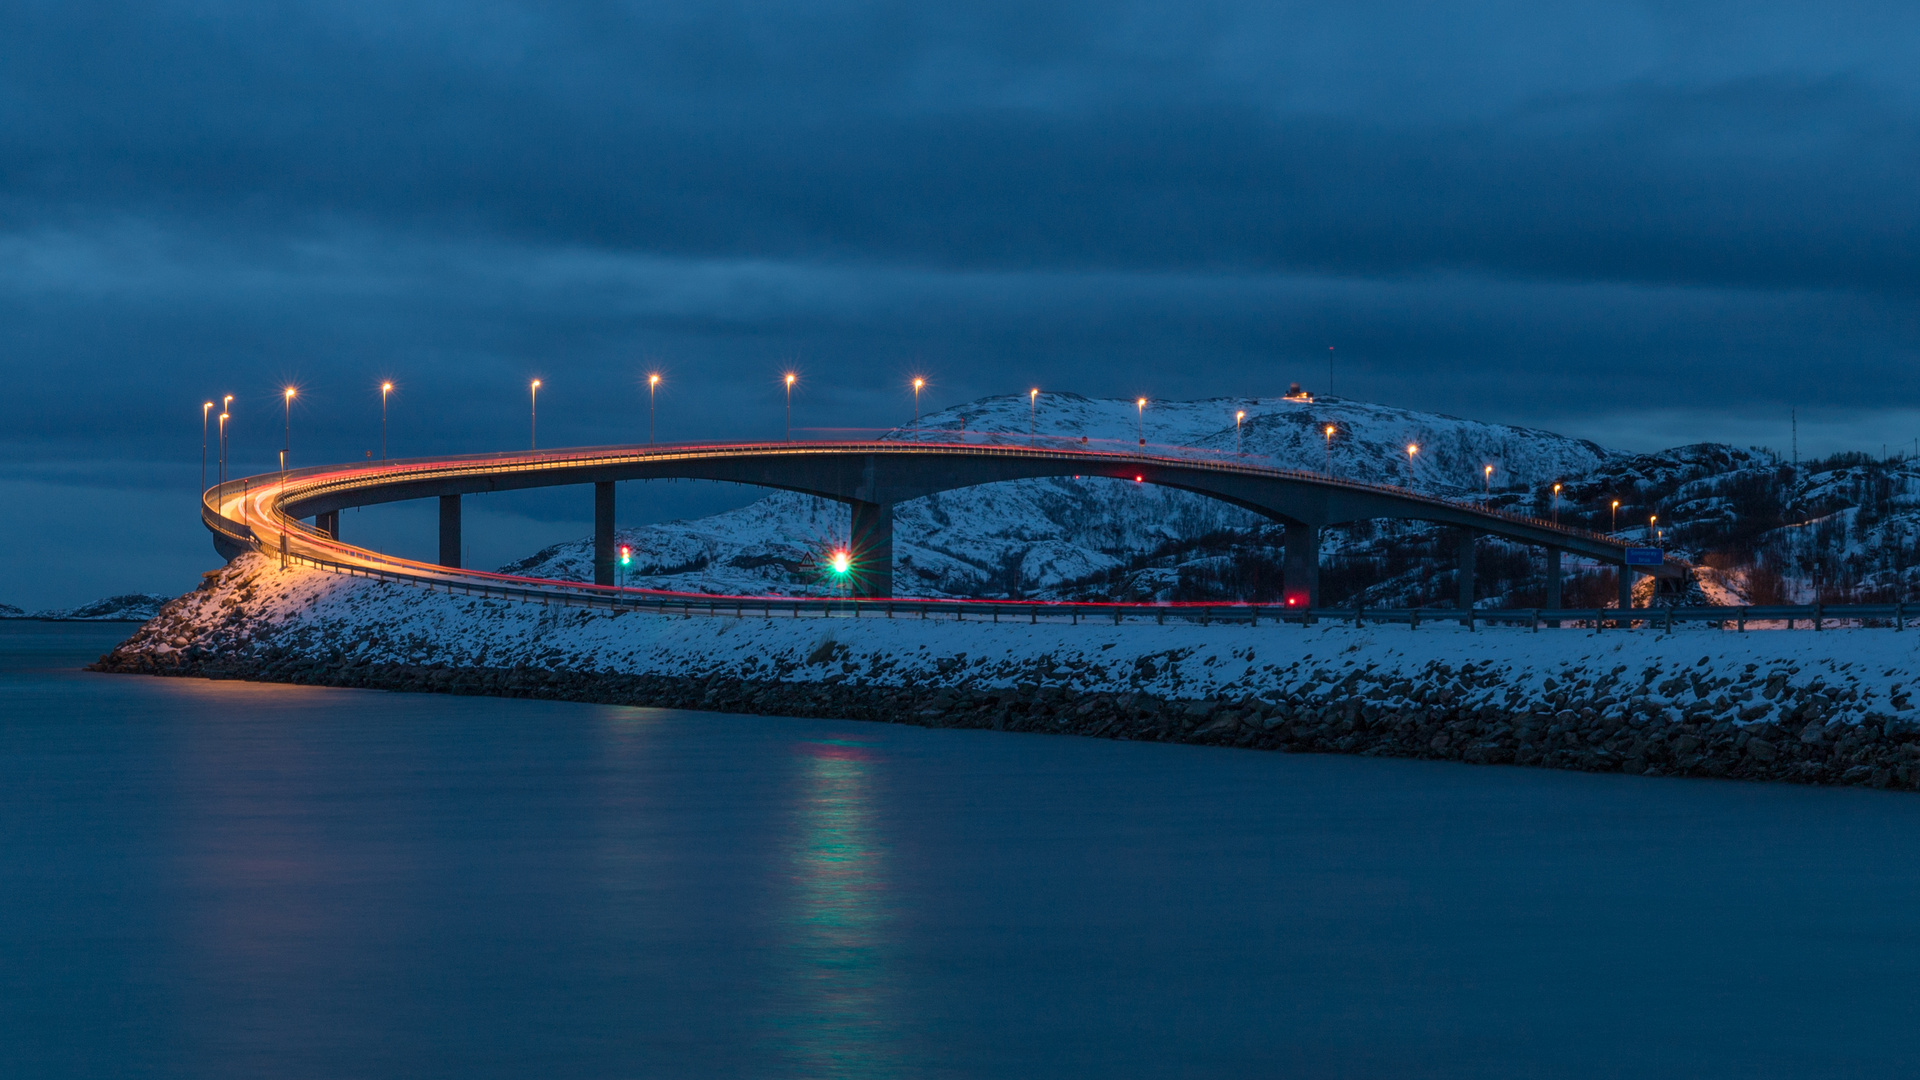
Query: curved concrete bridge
260, 512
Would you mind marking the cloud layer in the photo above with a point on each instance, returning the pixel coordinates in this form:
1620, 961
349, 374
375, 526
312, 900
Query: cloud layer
1644, 225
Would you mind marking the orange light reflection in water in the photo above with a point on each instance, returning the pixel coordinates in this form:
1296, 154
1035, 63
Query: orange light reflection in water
839, 1015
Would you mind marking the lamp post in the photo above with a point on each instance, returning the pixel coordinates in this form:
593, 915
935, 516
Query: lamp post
653, 388
225, 411
385, 389
1613, 524
1329, 434
1239, 444
1140, 406
917, 384
286, 448
1653, 526
1412, 449
533, 415
1556, 504
204, 411
1489, 473
791, 377
1033, 414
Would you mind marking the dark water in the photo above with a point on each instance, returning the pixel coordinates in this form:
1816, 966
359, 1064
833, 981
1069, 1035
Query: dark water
208, 880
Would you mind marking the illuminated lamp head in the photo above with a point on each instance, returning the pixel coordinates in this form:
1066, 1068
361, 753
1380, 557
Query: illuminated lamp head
1139, 479
842, 562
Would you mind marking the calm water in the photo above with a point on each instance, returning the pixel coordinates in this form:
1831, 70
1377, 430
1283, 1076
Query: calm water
205, 880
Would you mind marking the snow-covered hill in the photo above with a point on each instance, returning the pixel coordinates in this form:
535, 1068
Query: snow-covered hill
130, 607
1065, 537
1759, 529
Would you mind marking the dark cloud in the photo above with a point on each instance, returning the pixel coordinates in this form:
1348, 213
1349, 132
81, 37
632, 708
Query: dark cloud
1659, 223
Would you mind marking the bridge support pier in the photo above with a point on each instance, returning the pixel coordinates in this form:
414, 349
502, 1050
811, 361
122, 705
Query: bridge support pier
1465, 548
1555, 583
872, 549
1301, 566
1626, 587
450, 531
603, 557
328, 523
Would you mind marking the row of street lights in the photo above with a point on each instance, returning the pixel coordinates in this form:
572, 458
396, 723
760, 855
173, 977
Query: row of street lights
789, 379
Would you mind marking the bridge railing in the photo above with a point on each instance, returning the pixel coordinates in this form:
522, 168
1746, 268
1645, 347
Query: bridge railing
612, 598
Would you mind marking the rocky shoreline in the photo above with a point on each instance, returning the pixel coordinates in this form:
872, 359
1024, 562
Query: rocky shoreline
1575, 726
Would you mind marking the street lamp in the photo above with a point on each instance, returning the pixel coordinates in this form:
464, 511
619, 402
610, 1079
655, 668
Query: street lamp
385, 389
1033, 414
1653, 526
533, 415
791, 378
1613, 524
204, 410
1329, 434
1140, 407
918, 383
1239, 445
1489, 471
1556, 504
653, 387
1412, 449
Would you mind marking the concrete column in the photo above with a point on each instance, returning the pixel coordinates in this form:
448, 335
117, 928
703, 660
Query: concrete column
328, 523
872, 549
1301, 568
603, 554
1554, 580
450, 530
1626, 587
1465, 546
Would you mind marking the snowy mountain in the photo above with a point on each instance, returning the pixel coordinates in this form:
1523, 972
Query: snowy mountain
131, 607
1758, 528
1062, 537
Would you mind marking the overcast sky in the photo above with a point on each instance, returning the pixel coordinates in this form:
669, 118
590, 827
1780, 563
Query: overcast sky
1644, 224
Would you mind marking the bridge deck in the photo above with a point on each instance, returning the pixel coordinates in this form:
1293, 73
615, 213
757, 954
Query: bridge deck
261, 512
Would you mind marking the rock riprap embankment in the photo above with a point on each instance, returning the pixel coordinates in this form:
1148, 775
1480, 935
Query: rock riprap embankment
1830, 707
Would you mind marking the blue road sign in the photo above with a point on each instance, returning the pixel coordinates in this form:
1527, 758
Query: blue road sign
1645, 556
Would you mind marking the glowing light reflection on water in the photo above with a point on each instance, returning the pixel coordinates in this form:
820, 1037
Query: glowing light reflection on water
837, 1016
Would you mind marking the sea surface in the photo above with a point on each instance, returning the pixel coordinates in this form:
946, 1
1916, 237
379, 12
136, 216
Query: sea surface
232, 880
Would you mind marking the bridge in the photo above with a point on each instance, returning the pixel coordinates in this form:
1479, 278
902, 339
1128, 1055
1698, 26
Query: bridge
262, 513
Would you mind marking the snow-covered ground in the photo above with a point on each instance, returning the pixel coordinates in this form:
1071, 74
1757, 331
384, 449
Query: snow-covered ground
254, 608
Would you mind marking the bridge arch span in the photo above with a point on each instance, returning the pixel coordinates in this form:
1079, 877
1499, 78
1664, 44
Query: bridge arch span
871, 478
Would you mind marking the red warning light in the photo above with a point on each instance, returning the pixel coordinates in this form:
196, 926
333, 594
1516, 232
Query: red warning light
1138, 479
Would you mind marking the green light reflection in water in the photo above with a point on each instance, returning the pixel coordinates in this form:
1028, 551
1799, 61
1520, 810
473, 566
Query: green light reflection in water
840, 1016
